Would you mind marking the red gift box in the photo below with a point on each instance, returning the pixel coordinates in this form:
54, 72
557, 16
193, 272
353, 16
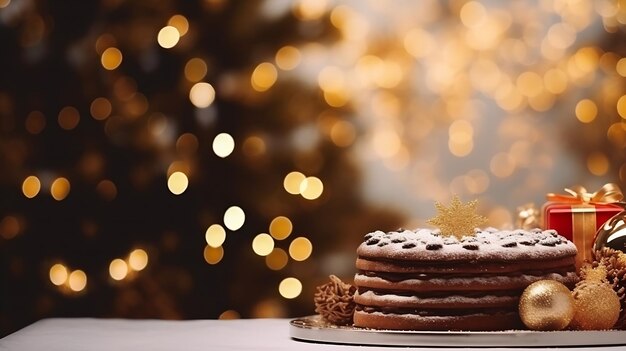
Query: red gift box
578, 215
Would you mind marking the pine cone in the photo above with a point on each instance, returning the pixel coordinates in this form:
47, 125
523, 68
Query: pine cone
615, 263
334, 301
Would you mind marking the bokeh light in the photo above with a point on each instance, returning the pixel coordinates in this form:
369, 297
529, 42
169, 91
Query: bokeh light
280, 227
277, 259
31, 186
264, 76
100, 108
290, 288
213, 255
138, 259
202, 95
118, 269
68, 118
168, 37
58, 274
288, 58
293, 181
300, 249
262, 244
111, 58
229, 314
177, 183
215, 235
223, 145
195, 69
77, 280
180, 23
311, 188
586, 111
234, 218
60, 188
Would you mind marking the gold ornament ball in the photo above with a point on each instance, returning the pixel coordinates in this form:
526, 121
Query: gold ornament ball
597, 306
546, 305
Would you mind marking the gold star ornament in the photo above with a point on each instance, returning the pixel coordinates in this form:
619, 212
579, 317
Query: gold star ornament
458, 219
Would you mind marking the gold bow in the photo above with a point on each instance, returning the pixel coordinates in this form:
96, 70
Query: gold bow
608, 194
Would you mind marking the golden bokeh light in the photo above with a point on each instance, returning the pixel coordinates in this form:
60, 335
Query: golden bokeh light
195, 69
60, 188
177, 183
223, 145
202, 95
308, 10
290, 288
187, 144
280, 227
473, 14
215, 235
31, 186
100, 108
107, 189
264, 76
168, 37
502, 165
292, 182
277, 259
4, 3
68, 118
300, 249
58, 274
9, 227
418, 43
598, 164
213, 255
138, 260
263, 244
620, 67
555, 81
118, 269
342, 133
586, 111
529, 83
77, 280
254, 146
35, 122
288, 58
311, 188
234, 218
111, 58
386, 142
500, 217
180, 23
229, 314
621, 106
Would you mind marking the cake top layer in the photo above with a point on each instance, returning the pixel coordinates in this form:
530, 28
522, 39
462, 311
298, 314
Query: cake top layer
486, 245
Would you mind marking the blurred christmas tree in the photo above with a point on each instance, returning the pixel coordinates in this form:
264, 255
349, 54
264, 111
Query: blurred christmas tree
134, 133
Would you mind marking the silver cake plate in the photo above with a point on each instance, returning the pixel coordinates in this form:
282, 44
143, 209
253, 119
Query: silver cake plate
315, 329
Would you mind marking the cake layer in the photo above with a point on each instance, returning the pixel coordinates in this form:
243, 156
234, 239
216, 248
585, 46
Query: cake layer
485, 246
471, 267
479, 321
469, 283
447, 302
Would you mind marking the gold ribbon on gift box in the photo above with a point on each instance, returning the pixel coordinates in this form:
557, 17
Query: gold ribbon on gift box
584, 213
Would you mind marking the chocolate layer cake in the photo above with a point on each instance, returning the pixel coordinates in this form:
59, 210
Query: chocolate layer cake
421, 280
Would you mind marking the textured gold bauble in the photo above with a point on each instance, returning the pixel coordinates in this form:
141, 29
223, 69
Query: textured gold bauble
612, 234
546, 305
597, 306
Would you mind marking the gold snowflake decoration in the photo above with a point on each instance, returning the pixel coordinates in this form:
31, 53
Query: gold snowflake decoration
459, 219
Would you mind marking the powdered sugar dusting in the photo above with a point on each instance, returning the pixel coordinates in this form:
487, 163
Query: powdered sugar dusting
486, 245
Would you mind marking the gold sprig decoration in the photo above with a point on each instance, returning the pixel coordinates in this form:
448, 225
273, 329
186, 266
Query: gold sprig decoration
459, 219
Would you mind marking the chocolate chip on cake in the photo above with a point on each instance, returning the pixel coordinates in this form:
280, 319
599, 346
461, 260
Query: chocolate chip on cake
372, 241
408, 245
509, 244
549, 242
434, 246
368, 235
470, 246
383, 243
398, 239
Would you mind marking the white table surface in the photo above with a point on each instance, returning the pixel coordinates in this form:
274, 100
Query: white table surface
120, 334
